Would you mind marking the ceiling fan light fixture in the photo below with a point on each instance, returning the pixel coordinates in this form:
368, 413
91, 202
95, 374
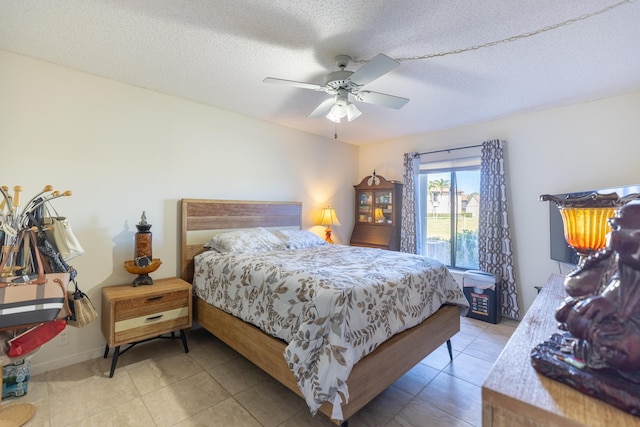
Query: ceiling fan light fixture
343, 83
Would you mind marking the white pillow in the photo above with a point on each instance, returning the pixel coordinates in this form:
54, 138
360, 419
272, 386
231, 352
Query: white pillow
249, 240
297, 239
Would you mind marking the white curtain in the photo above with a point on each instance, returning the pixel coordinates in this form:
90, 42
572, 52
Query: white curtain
410, 225
494, 235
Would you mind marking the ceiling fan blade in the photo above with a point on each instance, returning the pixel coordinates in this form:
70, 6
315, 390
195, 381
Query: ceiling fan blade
323, 108
377, 67
382, 99
302, 85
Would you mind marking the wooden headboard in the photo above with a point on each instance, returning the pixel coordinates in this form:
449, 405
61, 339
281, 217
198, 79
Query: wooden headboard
201, 219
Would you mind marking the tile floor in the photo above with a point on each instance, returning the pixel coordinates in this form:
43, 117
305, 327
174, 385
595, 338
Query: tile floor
157, 384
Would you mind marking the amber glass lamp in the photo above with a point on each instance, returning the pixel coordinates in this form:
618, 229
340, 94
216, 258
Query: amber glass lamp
586, 219
328, 217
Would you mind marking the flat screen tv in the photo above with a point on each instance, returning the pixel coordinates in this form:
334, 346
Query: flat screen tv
559, 249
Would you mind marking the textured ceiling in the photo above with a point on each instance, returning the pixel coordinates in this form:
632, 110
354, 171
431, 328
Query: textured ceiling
218, 52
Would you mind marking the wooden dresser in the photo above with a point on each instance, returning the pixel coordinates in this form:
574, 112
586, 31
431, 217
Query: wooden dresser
378, 214
514, 394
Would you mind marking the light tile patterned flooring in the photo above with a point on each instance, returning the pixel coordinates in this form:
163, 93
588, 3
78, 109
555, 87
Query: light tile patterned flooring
157, 384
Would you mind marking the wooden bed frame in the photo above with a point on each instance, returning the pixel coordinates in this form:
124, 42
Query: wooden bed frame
201, 219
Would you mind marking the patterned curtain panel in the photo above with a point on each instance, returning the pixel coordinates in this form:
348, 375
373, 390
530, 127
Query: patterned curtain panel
409, 226
494, 235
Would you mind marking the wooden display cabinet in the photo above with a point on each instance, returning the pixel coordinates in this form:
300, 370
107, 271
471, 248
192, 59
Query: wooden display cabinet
378, 213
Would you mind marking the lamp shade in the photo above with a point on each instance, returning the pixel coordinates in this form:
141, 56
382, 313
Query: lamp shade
352, 112
338, 111
328, 217
585, 229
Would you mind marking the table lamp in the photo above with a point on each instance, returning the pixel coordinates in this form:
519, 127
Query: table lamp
328, 217
378, 215
585, 219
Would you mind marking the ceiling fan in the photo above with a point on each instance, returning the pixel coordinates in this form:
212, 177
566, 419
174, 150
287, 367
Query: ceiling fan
342, 83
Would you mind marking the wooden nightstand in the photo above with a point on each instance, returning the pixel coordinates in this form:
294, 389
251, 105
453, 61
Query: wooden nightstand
131, 315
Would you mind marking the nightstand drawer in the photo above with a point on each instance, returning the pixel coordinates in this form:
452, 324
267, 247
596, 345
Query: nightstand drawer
151, 325
155, 318
151, 304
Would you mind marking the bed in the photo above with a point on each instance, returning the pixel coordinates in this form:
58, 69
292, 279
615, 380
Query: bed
373, 373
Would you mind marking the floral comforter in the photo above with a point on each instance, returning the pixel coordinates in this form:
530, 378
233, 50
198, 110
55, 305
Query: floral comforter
332, 304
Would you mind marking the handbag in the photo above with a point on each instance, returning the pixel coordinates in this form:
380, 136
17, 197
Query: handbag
29, 299
33, 338
58, 230
53, 261
82, 311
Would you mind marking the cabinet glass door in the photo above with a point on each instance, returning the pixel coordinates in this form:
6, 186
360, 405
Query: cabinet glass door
383, 213
365, 206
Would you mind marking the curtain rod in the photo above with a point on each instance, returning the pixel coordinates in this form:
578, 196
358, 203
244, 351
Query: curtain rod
450, 149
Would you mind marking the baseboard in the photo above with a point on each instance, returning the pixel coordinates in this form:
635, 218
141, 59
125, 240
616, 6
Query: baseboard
51, 365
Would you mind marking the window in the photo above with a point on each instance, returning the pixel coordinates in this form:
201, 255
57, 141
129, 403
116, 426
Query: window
449, 202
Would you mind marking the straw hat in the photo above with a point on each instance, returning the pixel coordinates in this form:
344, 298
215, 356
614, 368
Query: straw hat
16, 414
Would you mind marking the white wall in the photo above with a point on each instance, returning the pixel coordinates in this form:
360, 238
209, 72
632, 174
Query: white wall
579, 147
122, 150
